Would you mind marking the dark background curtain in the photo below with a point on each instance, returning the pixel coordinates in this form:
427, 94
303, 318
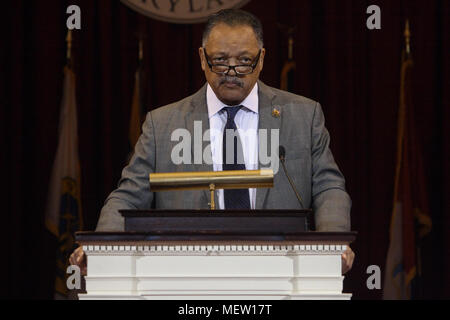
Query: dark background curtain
352, 71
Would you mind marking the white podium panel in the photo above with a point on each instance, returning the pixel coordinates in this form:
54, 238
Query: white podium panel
207, 271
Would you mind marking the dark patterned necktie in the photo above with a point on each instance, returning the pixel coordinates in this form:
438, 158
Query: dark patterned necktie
234, 198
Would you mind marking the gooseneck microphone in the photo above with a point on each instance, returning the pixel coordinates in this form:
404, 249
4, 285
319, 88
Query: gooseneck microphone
282, 156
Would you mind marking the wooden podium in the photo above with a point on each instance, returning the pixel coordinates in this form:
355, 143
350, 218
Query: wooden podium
209, 255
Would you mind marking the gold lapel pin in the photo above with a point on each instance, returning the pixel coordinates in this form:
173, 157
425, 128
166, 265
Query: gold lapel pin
276, 113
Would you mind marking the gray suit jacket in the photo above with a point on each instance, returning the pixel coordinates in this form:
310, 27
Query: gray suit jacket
308, 160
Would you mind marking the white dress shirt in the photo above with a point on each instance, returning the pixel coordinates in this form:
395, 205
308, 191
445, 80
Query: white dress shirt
247, 124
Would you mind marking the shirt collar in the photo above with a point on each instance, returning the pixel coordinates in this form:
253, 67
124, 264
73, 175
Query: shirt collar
215, 105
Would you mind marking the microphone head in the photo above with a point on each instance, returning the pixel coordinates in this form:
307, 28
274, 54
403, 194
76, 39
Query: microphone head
281, 153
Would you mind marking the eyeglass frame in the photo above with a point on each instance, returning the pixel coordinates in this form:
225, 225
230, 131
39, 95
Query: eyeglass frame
210, 65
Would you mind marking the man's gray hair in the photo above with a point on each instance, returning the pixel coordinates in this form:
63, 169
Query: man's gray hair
234, 17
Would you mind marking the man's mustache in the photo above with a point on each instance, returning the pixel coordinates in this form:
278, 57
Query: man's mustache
233, 80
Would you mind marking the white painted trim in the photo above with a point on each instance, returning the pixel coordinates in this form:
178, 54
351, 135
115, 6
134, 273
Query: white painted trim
214, 271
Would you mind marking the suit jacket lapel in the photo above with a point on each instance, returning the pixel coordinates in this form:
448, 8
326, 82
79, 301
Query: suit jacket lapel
199, 112
268, 121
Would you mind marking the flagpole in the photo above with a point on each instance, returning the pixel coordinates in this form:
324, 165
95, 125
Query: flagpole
141, 50
137, 113
407, 35
291, 47
69, 48
419, 282
289, 65
141, 66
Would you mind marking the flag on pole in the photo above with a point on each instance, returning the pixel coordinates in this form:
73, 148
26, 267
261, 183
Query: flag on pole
410, 219
63, 213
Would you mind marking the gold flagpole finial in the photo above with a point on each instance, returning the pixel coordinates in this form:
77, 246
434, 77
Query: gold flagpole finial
291, 48
407, 35
141, 49
69, 45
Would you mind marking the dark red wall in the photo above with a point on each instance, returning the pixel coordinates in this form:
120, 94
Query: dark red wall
352, 71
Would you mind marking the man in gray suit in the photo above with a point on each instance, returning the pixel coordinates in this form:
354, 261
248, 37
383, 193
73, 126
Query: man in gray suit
232, 57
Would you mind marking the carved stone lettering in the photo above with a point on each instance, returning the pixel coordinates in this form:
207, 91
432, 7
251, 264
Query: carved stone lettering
182, 11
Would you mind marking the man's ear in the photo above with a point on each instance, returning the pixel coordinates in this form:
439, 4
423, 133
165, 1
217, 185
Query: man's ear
261, 58
202, 58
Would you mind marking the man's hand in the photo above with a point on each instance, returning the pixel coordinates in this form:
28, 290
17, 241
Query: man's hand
78, 258
347, 260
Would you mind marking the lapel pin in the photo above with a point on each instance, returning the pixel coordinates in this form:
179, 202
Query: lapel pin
276, 112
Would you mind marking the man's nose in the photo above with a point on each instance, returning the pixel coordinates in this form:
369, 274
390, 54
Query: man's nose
231, 72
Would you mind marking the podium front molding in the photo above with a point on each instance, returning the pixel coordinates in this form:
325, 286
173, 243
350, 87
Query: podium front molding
131, 265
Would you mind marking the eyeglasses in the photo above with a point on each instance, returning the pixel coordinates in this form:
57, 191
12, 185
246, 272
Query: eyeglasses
224, 69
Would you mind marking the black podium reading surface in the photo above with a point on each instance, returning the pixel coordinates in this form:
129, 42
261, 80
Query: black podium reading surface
262, 222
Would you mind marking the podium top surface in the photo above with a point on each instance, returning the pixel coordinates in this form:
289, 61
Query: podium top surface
207, 213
